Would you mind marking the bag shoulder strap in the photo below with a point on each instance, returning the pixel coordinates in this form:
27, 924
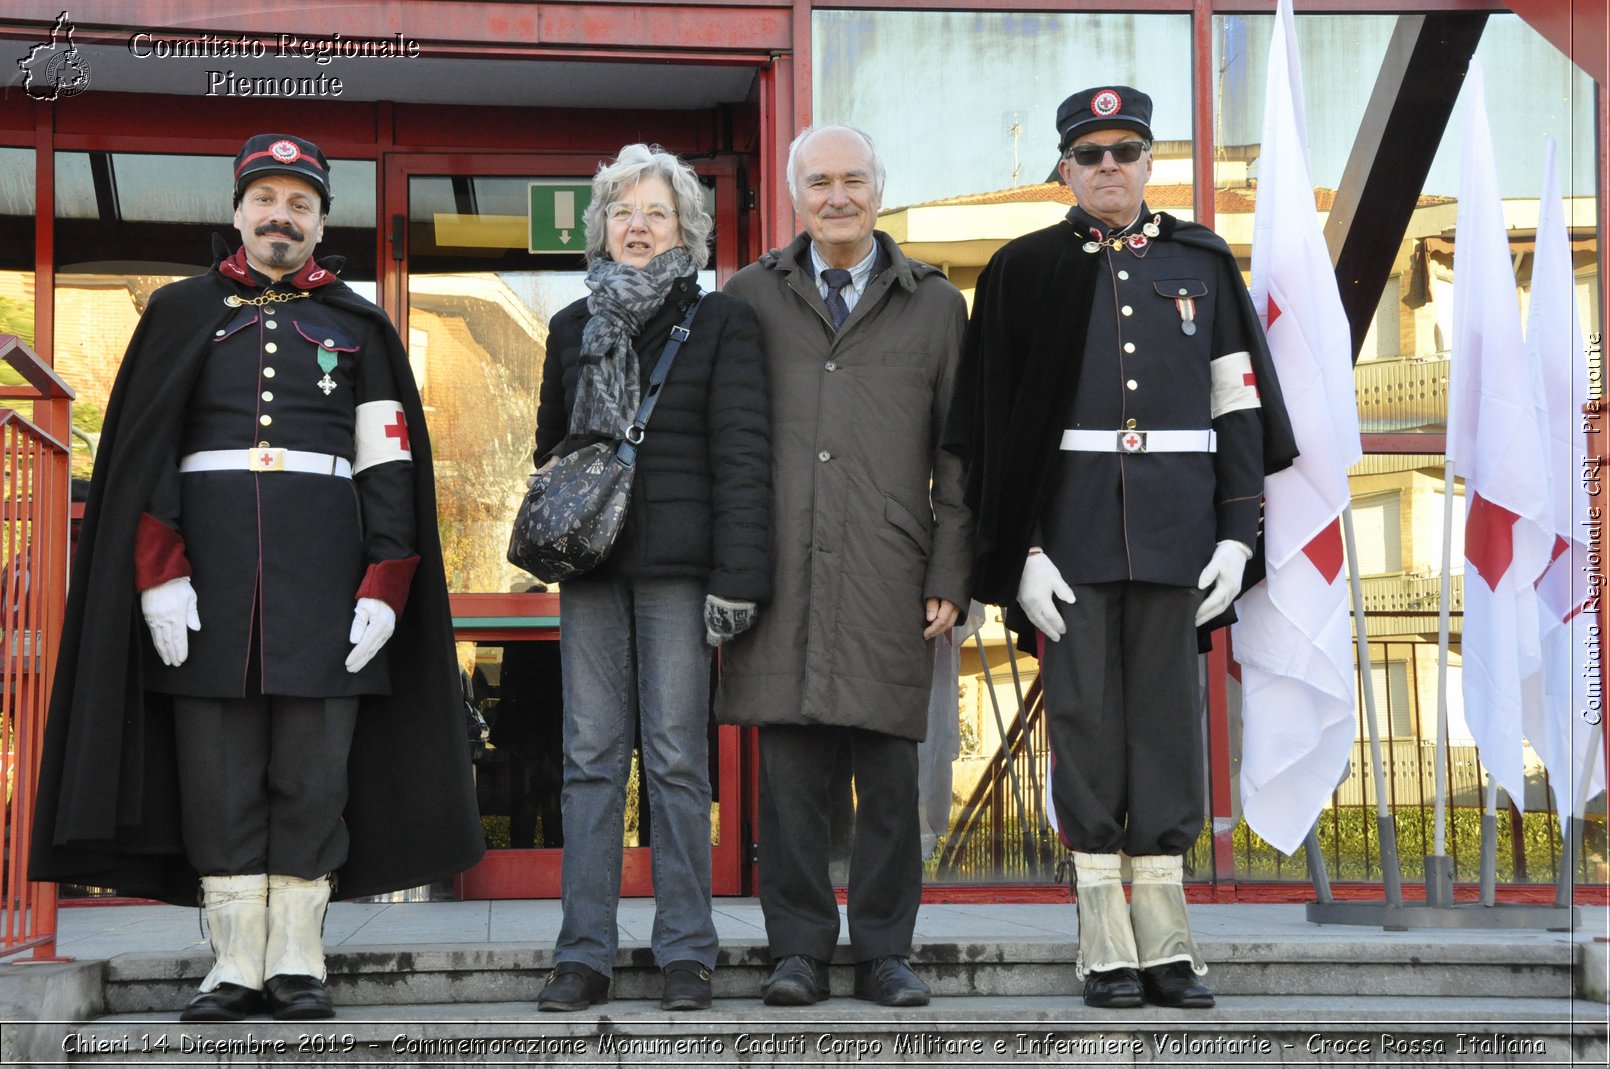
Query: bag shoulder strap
679, 334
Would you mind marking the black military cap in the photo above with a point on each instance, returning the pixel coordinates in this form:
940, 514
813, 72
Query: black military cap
1106, 107
267, 154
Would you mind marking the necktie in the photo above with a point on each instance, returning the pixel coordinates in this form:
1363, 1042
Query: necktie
836, 278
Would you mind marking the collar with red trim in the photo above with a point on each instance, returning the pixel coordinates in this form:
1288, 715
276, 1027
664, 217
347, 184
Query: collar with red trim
309, 276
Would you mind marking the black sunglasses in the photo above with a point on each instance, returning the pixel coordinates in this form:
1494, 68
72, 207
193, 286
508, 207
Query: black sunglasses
1090, 155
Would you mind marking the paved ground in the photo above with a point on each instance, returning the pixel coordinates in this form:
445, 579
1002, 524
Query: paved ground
87, 932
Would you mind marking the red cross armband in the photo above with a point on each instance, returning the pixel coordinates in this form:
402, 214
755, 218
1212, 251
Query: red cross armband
382, 435
1234, 385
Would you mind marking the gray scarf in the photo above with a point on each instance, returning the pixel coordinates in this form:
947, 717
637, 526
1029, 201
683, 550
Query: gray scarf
623, 299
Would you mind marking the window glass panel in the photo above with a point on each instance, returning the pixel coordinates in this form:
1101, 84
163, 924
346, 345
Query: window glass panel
17, 258
75, 189
16, 182
151, 188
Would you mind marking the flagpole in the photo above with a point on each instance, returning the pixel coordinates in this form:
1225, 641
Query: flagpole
1489, 844
1439, 871
1385, 824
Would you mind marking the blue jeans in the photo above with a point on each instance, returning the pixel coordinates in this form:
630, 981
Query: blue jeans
635, 650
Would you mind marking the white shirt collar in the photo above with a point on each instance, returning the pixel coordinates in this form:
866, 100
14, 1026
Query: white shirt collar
860, 274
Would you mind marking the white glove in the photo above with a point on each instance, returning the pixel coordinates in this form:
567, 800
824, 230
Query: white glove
1223, 574
373, 621
169, 609
725, 619
1041, 583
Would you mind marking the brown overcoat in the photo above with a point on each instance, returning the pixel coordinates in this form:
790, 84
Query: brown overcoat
867, 512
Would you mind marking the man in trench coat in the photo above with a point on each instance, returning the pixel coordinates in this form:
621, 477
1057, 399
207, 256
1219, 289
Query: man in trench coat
873, 549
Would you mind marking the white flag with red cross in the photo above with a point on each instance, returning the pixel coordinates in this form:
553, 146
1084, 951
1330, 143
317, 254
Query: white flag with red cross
1559, 726
1497, 445
1292, 638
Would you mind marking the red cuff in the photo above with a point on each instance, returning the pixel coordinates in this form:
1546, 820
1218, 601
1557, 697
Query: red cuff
388, 581
158, 553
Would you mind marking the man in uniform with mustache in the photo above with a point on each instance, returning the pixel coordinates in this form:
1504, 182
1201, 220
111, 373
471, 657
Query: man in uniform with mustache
263, 501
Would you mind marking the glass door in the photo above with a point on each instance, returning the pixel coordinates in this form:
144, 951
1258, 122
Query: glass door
484, 250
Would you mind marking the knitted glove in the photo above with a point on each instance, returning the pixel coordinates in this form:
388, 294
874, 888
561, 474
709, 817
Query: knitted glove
725, 620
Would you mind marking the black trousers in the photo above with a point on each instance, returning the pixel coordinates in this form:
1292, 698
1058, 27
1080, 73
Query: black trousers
263, 783
1123, 700
796, 897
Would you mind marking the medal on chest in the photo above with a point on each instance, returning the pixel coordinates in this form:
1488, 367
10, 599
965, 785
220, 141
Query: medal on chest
1187, 310
326, 365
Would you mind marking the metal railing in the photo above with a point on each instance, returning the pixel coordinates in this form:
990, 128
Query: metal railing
995, 838
34, 493
1402, 395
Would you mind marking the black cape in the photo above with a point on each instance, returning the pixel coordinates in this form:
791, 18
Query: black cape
108, 807
1020, 363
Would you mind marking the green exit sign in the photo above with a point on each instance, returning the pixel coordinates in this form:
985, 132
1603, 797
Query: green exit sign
555, 215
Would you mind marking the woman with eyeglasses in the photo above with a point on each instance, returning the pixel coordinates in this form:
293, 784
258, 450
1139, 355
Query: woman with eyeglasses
688, 571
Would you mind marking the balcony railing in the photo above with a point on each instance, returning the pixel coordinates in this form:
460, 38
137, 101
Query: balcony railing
1402, 395
1409, 604
33, 585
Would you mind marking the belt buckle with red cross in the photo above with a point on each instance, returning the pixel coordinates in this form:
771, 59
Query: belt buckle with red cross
266, 460
1132, 441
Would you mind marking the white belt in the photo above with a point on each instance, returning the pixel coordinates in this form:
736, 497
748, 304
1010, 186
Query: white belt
1140, 441
297, 460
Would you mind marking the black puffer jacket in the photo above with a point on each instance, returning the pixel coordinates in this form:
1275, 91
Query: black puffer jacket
701, 501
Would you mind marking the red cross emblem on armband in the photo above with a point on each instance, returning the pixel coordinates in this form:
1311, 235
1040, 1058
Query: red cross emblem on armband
1250, 381
399, 431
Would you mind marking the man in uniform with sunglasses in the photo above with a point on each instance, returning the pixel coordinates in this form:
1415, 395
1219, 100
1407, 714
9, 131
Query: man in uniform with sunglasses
1119, 411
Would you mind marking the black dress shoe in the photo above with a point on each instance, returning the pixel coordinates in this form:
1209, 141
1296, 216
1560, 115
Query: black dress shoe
889, 981
687, 986
795, 981
226, 1002
572, 986
1113, 989
1176, 985
298, 998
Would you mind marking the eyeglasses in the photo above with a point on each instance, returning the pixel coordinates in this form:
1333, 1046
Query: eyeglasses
1090, 155
655, 214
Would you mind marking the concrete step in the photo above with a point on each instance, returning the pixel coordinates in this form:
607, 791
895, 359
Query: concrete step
512, 972
983, 1030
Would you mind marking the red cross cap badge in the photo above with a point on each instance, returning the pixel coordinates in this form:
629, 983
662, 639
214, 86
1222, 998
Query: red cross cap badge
1106, 103
1132, 441
284, 151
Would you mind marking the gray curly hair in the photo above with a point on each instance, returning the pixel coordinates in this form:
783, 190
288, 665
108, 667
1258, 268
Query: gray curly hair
634, 163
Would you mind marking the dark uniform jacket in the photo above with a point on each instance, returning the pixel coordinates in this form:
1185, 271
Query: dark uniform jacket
108, 811
701, 498
277, 558
1059, 340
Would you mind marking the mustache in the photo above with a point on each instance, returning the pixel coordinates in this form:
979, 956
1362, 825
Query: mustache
289, 230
